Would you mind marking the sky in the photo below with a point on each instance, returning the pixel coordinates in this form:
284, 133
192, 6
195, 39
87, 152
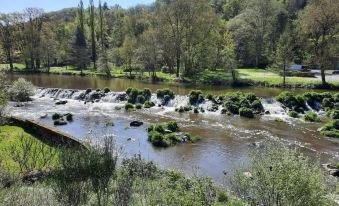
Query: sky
7, 6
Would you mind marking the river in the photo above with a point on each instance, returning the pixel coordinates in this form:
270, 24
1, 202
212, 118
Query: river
225, 142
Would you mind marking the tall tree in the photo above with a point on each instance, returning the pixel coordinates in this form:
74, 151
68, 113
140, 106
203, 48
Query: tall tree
92, 28
7, 37
128, 52
79, 52
285, 48
105, 64
319, 23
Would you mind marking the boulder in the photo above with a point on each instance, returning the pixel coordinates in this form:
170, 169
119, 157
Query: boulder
62, 102
136, 124
44, 116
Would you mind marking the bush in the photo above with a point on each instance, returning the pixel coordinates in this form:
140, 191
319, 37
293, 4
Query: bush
296, 180
129, 106
88, 91
246, 112
157, 139
167, 98
173, 126
331, 129
161, 93
231, 107
311, 117
21, 90
141, 99
149, 104
257, 106
334, 114
138, 106
196, 97
327, 103
291, 101
293, 114
106, 90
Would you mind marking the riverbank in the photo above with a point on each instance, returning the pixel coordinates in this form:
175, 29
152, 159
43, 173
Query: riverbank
247, 77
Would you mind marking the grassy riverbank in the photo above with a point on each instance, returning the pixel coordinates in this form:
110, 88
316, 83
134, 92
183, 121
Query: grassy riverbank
246, 77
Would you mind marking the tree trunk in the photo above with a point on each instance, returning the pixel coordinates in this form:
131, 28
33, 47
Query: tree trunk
10, 61
284, 74
178, 63
323, 78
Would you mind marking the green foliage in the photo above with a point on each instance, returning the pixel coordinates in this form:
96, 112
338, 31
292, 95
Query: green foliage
21, 90
161, 93
233, 101
291, 101
246, 112
196, 97
149, 104
334, 114
138, 96
331, 129
293, 114
173, 126
129, 106
138, 106
296, 181
311, 117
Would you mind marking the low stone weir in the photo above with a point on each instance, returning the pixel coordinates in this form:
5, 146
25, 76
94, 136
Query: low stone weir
46, 134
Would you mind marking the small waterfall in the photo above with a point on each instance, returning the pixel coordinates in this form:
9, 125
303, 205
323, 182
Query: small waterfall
273, 107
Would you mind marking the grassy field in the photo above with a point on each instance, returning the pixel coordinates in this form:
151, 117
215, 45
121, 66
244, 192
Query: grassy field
220, 77
20, 152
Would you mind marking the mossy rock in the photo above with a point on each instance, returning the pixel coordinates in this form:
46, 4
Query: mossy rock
246, 112
311, 117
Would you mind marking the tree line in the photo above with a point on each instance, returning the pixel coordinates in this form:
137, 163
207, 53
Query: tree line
184, 37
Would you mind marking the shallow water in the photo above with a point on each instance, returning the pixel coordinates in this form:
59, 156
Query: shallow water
225, 140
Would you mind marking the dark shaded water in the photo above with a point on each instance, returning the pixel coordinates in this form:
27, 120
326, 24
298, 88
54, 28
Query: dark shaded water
225, 140
78, 82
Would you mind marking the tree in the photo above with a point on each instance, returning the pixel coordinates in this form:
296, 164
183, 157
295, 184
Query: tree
228, 55
285, 48
128, 52
149, 51
21, 90
93, 37
7, 37
48, 45
79, 52
32, 35
319, 24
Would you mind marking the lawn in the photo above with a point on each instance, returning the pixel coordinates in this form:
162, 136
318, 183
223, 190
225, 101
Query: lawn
17, 146
273, 78
17, 67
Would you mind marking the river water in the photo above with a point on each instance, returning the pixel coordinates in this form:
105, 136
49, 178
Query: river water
225, 142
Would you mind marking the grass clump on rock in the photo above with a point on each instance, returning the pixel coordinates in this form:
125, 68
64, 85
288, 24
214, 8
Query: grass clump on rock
129, 106
311, 117
138, 96
331, 129
247, 104
293, 114
165, 94
292, 102
166, 135
196, 97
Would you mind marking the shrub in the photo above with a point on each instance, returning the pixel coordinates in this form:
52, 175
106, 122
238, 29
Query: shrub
328, 103
331, 129
129, 106
173, 126
106, 90
293, 114
291, 101
257, 106
334, 114
159, 128
138, 106
162, 92
246, 112
196, 97
141, 99
296, 180
311, 117
149, 104
157, 139
167, 98
21, 90
210, 97
231, 107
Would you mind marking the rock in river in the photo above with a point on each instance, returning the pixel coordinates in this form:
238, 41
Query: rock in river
136, 124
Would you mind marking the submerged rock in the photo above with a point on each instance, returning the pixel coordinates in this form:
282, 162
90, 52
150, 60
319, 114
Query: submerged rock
63, 102
136, 124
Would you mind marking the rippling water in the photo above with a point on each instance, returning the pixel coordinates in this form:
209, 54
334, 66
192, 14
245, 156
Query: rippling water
225, 140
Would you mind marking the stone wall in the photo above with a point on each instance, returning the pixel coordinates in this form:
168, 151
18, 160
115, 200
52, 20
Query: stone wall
46, 134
